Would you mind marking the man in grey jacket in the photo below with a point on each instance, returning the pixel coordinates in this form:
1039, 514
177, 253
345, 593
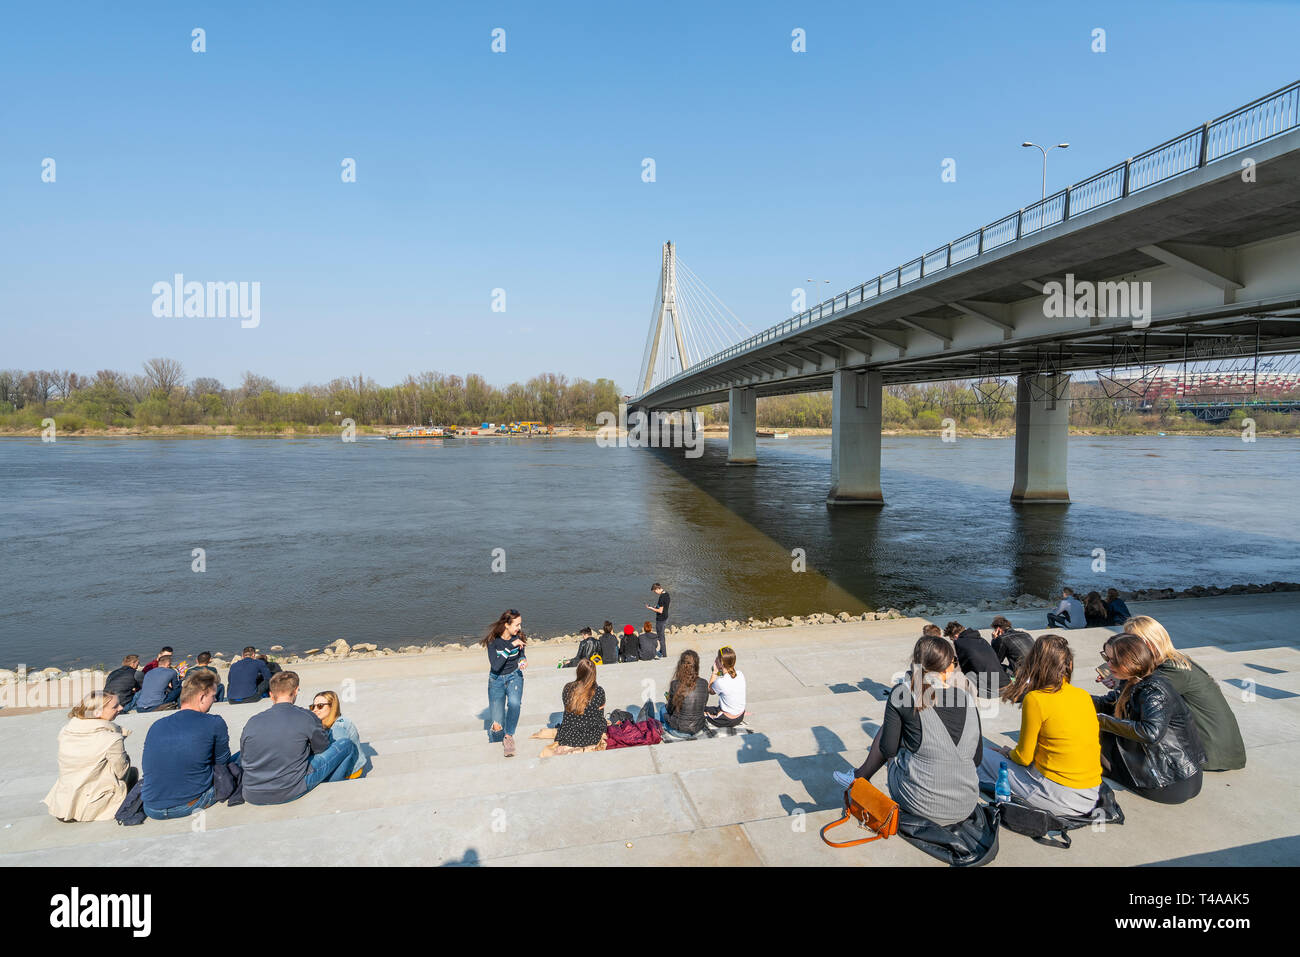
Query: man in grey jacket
1069, 613
285, 751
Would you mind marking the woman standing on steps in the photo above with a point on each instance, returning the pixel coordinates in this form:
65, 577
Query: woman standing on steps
505, 642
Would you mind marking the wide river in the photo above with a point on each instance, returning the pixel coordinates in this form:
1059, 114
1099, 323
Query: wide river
395, 543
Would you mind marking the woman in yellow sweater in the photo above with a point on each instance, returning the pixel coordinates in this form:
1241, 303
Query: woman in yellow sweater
1056, 765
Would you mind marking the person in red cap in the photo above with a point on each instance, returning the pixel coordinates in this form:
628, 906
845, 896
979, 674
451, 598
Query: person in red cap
629, 648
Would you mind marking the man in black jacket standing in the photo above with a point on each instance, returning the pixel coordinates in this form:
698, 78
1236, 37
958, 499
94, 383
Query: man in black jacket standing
661, 615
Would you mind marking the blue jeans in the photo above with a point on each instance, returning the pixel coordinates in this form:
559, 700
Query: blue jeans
127, 703
505, 696
202, 802
1058, 621
332, 764
660, 715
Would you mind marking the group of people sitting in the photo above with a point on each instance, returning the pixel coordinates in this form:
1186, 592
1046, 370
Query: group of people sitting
157, 686
1161, 724
683, 713
187, 766
609, 648
1092, 612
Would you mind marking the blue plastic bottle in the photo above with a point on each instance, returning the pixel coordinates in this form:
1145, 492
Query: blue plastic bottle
1002, 791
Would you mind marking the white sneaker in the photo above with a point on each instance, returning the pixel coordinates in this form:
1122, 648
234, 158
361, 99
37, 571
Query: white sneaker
844, 778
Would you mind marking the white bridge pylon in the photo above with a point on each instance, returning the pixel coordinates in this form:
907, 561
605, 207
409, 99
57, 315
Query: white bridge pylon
688, 323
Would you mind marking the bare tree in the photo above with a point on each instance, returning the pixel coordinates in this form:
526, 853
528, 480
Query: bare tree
165, 374
139, 386
39, 386
255, 384
205, 385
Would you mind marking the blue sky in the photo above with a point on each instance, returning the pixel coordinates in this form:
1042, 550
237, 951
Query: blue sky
522, 170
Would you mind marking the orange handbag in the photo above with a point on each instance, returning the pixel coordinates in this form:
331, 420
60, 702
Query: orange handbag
874, 810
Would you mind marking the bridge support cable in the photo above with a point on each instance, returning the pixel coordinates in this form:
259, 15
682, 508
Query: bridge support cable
688, 322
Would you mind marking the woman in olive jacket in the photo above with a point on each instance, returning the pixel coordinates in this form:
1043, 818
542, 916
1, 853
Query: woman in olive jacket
1215, 722
1149, 742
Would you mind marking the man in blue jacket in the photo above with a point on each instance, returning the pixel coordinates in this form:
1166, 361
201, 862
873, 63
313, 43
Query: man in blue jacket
181, 752
160, 689
249, 678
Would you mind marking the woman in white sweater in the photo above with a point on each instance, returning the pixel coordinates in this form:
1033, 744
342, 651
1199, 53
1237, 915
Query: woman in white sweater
94, 771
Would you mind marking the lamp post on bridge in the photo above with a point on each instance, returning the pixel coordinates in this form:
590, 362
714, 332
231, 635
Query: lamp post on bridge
1058, 146
814, 288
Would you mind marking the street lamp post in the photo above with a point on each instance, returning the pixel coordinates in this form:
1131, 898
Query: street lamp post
814, 288
1059, 146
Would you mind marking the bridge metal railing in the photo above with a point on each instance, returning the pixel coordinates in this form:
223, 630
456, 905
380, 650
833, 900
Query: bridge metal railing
1257, 121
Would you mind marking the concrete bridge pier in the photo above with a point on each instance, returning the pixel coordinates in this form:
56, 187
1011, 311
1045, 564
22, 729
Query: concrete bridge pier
742, 424
856, 399
1042, 438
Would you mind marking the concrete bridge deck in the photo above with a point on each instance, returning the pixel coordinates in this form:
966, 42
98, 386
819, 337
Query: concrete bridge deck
438, 793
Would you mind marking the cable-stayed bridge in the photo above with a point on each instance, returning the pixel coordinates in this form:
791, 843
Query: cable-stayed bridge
1187, 255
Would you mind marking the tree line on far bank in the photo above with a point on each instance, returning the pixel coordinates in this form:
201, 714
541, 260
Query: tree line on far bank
162, 396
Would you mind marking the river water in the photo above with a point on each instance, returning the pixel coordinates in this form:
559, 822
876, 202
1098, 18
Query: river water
310, 540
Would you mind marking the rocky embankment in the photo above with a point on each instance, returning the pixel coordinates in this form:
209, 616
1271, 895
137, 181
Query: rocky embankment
340, 649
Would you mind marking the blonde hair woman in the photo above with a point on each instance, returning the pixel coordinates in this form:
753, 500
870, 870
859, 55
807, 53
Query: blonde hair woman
95, 773
326, 707
1215, 722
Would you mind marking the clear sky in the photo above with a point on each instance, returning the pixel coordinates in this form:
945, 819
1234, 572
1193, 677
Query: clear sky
523, 170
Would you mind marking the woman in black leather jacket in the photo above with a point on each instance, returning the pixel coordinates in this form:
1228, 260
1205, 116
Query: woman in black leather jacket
1149, 741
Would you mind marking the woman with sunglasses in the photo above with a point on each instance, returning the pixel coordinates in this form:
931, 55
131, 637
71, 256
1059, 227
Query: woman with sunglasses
1149, 741
326, 707
505, 642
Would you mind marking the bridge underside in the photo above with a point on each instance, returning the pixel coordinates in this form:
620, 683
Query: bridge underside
1222, 257
1219, 248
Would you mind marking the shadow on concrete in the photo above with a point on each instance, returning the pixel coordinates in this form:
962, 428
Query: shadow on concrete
812, 771
469, 859
874, 688
1266, 669
1279, 851
1263, 691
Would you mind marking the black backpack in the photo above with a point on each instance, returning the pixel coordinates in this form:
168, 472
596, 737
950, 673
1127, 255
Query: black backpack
1036, 823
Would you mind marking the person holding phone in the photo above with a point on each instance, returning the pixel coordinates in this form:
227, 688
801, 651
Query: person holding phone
505, 642
1149, 741
661, 616
729, 685
1104, 675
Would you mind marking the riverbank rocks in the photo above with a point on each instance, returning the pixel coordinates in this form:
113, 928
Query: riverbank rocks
972, 615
